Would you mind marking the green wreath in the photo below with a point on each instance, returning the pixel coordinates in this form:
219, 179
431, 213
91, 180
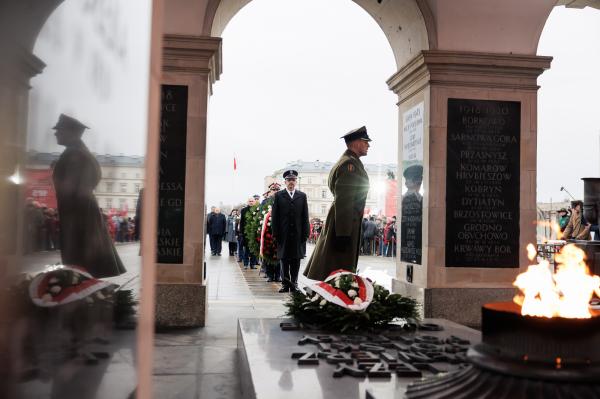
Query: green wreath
313, 311
252, 229
269, 255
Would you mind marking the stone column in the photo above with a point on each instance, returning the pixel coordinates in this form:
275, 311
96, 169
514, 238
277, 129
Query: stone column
195, 63
460, 269
17, 68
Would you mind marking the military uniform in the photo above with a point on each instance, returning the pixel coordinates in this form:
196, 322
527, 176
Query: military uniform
349, 183
84, 238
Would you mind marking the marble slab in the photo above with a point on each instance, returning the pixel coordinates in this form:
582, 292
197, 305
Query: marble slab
267, 369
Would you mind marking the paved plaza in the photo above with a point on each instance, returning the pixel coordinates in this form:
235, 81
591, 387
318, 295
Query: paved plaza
194, 362
202, 362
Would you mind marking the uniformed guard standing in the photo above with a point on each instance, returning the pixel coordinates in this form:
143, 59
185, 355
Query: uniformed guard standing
289, 220
84, 238
339, 244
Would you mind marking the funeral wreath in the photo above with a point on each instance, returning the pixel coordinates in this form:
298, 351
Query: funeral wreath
348, 302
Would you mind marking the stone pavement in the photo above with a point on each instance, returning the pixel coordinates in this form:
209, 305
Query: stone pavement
201, 362
195, 362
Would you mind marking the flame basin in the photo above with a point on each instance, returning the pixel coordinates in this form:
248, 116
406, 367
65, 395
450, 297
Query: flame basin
553, 348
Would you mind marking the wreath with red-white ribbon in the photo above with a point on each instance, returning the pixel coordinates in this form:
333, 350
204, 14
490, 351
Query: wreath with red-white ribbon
62, 284
345, 289
347, 301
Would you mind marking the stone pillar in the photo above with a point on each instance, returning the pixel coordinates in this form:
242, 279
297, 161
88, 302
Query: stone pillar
460, 268
194, 63
16, 70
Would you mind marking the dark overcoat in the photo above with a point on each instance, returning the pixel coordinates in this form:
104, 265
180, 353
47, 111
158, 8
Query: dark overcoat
290, 225
84, 238
349, 184
217, 224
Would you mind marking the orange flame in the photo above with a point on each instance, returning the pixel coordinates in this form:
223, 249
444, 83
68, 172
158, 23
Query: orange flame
531, 251
567, 293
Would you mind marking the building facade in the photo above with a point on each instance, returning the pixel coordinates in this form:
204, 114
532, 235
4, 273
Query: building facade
312, 180
118, 190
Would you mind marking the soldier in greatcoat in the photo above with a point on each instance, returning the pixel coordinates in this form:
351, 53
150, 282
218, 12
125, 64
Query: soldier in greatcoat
339, 244
84, 238
290, 226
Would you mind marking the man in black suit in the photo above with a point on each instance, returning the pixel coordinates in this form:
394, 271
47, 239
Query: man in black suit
290, 225
216, 229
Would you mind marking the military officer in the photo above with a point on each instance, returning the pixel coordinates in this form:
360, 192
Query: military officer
290, 226
84, 238
339, 244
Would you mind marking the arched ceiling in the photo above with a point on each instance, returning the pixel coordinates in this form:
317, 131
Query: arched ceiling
402, 22
489, 26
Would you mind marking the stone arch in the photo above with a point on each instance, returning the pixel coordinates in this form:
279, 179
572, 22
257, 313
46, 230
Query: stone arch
408, 25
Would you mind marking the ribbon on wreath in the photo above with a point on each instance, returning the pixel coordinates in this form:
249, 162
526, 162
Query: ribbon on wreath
61, 284
263, 230
336, 296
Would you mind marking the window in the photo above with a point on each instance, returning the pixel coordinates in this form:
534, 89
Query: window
324, 181
109, 187
123, 187
323, 209
123, 175
109, 203
137, 187
122, 203
137, 175
309, 180
323, 193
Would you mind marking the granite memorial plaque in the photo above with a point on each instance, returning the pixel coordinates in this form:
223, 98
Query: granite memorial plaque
171, 191
280, 359
411, 221
482, 183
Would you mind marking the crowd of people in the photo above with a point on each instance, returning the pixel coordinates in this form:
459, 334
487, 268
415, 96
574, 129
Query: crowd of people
243, 232
379, 236
268, 234
42, 227
247, 233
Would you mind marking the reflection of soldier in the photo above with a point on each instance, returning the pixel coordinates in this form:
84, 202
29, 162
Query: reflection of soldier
412, 214
83, 235
339, 244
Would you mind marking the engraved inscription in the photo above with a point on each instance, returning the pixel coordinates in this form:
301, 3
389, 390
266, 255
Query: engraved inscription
171, 188
482, 183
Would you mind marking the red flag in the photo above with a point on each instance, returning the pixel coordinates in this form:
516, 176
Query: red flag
234, 164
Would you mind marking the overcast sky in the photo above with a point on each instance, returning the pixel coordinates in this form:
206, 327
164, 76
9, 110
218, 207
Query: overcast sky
290, 95
569, 103
297, 74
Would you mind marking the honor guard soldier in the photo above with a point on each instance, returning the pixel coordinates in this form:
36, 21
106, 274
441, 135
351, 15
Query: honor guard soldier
84, 238
339, 244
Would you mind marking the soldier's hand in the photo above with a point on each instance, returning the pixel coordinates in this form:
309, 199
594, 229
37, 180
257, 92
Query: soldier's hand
341, 243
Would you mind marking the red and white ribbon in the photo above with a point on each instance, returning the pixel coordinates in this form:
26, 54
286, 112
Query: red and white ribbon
327, 290
263, 231
38, 288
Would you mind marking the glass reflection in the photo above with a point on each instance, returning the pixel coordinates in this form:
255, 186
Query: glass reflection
411, 222
72, 175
